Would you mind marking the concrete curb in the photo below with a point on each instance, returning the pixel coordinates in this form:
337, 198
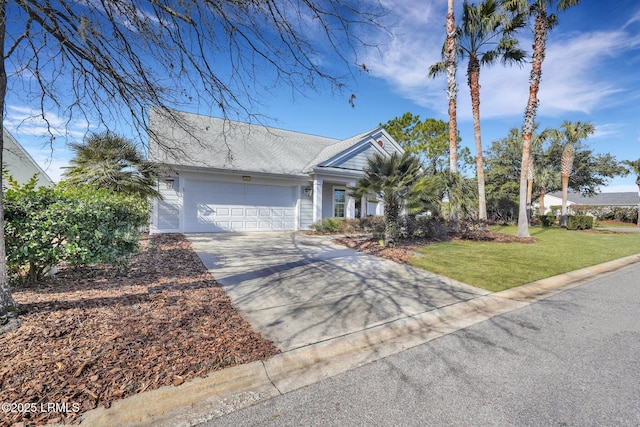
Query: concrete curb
221, 392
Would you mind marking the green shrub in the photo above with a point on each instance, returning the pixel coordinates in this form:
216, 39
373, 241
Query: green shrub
579, 222
80, 226
327, 225
547, 220
374, 225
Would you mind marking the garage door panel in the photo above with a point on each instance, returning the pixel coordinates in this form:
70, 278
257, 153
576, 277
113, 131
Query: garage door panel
214, 206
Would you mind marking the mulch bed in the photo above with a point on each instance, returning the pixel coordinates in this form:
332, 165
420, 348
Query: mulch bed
403, 249
90, 336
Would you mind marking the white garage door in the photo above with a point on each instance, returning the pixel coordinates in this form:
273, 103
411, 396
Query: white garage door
216, 206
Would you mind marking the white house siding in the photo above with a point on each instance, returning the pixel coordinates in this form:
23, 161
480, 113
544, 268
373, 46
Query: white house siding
306, 209
327, 198
19, 164
359, 160
167, 210
387, 144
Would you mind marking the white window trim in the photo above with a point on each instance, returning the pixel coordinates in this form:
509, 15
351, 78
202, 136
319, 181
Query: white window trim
333, 200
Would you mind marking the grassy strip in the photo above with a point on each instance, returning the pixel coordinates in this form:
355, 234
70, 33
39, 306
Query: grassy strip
499, 266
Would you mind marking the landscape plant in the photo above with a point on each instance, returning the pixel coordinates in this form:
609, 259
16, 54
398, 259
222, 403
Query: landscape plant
107, 160
80, 226
394, 180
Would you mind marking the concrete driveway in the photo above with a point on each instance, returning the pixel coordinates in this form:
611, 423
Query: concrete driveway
298, 289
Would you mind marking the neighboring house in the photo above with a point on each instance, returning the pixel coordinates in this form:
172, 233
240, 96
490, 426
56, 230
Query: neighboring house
232, 176
629, 199
19, 164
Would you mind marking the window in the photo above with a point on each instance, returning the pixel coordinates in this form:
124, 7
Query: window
339, 198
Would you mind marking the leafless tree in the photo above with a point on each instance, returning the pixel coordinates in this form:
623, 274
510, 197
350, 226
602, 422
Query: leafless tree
111, 60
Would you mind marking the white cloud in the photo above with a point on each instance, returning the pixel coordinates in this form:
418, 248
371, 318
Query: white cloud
575, 75
29, 122
402, 58
607, 130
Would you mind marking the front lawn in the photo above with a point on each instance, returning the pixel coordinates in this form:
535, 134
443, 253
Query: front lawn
498, 266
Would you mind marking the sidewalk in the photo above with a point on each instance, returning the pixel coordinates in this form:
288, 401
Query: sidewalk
234, 388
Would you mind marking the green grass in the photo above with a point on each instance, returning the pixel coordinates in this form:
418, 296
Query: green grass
499, 266
616, 224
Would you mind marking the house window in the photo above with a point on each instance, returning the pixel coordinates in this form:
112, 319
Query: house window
339, 199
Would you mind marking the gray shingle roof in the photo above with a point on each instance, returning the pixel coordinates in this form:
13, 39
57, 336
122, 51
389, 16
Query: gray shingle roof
224, 144
602, 199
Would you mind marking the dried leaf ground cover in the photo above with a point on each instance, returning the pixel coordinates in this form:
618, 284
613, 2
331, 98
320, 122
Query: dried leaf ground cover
90, 337
403, 250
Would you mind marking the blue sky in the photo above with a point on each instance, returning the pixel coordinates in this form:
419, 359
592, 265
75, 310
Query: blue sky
590, 74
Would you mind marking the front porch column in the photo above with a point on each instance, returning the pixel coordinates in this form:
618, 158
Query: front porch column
317, 199
350, 208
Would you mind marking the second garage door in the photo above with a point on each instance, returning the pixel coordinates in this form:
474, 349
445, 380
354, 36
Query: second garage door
218, 207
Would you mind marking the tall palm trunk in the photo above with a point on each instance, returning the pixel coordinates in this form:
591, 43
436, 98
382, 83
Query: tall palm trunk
391, 226
529, 188
566, 167
473, 75
6, 300
451, 56
638, 184
539, 43
542, 194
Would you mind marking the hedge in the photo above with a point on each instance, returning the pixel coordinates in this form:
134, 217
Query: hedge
579, 222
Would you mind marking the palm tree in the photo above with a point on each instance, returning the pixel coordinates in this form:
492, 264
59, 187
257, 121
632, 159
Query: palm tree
634, 167
544, 21
530, 175
106, 160
570, 134
484, 38
459, 191
537, 140
452, 87
449, 65
393, 179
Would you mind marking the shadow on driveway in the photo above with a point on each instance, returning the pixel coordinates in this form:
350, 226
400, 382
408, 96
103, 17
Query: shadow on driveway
299, 289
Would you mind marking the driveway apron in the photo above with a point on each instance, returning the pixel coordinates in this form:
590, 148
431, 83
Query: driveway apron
299, 289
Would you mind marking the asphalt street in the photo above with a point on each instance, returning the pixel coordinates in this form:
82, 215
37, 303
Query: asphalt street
571, 359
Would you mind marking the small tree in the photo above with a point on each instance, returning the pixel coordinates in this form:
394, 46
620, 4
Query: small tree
106, 160
393, 179
570, 134
428, 139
